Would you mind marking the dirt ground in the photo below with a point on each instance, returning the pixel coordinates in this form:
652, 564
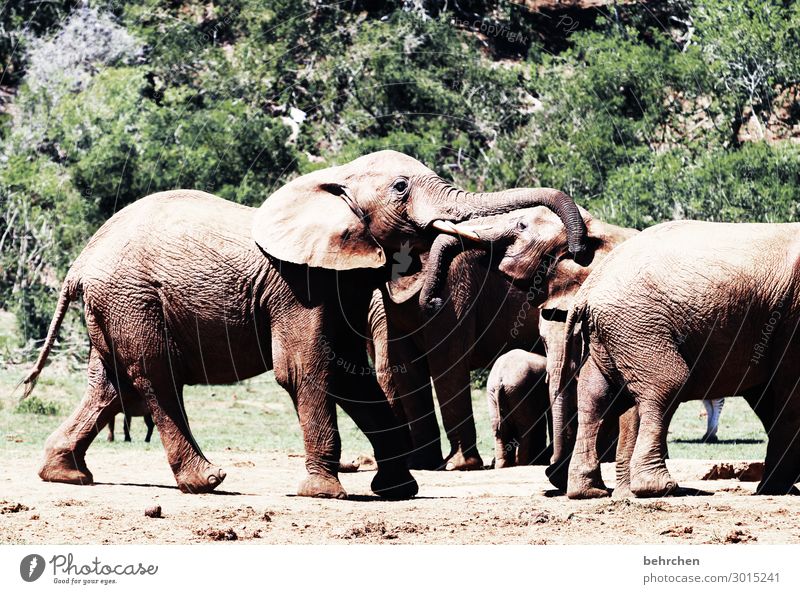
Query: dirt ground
256, 505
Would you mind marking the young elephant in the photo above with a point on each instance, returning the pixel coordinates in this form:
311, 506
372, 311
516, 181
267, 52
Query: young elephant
518, 400
183, 287
689, 310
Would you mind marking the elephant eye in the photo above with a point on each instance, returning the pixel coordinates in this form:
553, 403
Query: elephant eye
521, 225
400, 186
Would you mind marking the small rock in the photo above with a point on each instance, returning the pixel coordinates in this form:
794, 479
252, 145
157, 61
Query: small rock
153, 512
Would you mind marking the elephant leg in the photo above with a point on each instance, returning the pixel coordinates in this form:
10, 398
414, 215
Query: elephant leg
154, 381
628, 429
148, 421
356, 390
126, 427
405, 379
607, 439
585, 480
451, 380
657, 401
505, 445
111, 430
762, 400
65, 449
533, 448
779, 411
362, 399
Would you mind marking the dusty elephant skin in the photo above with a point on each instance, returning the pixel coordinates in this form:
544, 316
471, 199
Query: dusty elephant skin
177, 292
689, 310
529, 248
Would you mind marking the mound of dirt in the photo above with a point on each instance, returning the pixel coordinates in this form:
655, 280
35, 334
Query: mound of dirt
744, 471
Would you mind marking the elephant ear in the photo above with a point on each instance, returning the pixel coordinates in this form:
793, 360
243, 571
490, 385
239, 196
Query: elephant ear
315, 221
563, 284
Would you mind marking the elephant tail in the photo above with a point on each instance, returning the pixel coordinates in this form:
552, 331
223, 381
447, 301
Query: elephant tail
68, 293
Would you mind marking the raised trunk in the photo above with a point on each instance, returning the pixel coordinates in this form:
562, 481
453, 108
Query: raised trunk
457, 205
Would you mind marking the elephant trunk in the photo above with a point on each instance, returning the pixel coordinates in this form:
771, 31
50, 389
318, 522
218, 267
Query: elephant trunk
457, 205
444, 249
564, 399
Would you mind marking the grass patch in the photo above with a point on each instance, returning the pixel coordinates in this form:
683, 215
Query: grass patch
33, 405
257, 415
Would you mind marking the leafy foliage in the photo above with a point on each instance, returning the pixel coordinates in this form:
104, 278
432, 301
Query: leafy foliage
638, 112
35, 406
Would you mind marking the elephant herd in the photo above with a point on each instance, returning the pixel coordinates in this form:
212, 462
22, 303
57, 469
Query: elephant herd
381, 264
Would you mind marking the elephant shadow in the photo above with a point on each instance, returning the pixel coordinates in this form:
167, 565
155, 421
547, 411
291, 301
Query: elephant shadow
154, 486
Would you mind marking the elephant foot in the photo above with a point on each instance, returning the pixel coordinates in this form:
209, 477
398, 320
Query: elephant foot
462, 461
586, 484
622, 492
587, 489
774, 488
653, 485
558, 474
204, 479
65, 467
394, 484
110, 437
503, 463
324, 486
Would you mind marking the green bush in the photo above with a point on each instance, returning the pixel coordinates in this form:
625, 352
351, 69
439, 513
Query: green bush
33, 405
757, 183
636, 112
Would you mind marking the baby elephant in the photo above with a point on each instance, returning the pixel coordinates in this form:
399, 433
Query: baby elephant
518, 405
126, 427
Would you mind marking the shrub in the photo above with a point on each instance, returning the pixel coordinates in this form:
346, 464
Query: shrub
33, 405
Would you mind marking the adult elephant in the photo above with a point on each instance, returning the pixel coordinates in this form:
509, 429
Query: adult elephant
177, 292
470, 332
530, 249
689, 310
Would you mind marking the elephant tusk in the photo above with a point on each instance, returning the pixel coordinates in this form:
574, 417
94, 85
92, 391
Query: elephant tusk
452, 229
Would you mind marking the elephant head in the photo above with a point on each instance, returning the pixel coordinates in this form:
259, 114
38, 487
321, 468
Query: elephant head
350, 216
530, 247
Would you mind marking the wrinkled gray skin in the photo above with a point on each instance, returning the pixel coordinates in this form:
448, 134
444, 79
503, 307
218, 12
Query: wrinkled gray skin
518, 401
176, 292
688, 310
529, 248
